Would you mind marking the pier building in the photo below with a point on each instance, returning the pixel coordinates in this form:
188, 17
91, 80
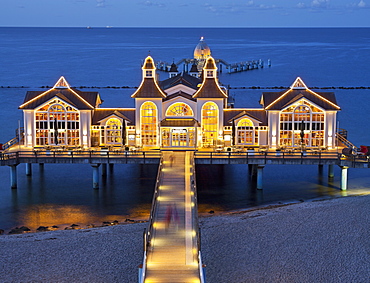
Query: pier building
180, 112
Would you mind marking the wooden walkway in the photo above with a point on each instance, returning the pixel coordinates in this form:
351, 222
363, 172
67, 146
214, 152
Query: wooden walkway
171, 255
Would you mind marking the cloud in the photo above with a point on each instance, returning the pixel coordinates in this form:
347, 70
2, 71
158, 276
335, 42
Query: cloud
235, 8
100, 3
320, 3
152, 4
362, 4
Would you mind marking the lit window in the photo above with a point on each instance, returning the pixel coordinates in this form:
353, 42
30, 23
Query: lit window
302, 124
148, 117
209, 123
246, 132
57, 123
113, 131
179, 109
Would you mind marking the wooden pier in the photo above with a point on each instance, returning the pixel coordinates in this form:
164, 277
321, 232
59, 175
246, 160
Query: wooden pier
171, 243
97, 158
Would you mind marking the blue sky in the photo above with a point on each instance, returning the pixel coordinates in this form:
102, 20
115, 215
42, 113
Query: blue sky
185, 13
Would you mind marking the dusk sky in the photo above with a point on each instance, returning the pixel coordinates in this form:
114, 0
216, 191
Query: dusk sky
185, 13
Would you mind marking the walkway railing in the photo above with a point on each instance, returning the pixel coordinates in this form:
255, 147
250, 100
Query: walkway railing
75, 156
270, 155
194, 199
147, 236
19, 139
341, 136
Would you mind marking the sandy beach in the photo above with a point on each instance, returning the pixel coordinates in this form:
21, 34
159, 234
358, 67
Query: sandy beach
318, 241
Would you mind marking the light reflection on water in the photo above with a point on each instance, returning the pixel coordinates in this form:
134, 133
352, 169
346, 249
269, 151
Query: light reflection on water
62, 194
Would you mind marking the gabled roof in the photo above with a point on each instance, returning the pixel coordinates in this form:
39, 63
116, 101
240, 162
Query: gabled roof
298, 90
148, 89
180, 79
80, 99
179, 94
127, 114
236, 113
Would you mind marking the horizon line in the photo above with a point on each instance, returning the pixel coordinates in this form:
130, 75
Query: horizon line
180, 27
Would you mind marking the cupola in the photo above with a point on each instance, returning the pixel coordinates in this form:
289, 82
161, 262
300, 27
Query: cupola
202, 51
148, 68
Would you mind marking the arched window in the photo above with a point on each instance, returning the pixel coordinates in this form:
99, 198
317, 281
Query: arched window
246, 132
302, 124
148, 120
209, 123
57, 123
113, 131
179, 109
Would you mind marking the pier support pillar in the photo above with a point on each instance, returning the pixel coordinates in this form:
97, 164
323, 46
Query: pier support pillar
95, 175
104, 169
321, 169
343, 179
252, 170
331, 171
111, 167
13, 176
260, 177
41, 165
28, 169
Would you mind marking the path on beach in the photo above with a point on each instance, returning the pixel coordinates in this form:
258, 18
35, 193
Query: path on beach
171, 256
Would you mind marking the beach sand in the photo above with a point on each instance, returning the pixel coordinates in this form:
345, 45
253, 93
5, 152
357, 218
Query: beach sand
318, 241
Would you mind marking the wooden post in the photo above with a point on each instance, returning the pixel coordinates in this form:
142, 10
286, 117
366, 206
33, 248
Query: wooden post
260, 177
331, 171
13, 176
321, 169
28, 169
95, 175
104, 169
343, 179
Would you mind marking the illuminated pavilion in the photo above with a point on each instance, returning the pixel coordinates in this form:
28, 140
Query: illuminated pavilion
181, 112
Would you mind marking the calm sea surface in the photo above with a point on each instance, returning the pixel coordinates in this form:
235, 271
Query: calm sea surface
62, 194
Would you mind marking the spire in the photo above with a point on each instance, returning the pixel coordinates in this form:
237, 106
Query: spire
210, 87
62, 83
149, 87
210, 68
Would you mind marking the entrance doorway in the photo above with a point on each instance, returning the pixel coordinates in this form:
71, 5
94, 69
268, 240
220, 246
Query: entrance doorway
178, 137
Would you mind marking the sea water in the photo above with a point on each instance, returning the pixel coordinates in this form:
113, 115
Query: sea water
30, 58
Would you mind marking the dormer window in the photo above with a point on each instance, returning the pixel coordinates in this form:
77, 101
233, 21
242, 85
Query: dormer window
149, 74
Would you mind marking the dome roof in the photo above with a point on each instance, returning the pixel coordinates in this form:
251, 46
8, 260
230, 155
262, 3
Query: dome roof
202, 51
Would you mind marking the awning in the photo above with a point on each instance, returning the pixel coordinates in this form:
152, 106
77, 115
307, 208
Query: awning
180, 122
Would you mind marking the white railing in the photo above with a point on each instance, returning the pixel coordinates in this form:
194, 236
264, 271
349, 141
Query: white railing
149, 233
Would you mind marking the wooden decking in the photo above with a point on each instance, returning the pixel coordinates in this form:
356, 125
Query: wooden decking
171, 256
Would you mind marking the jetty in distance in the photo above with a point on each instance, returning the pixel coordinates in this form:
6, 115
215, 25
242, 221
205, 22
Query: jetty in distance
201, 53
